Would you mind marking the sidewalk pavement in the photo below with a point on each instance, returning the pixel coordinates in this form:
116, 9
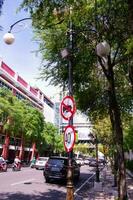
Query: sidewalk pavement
104, 190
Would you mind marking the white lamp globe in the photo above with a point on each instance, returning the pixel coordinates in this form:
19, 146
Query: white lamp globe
64, 53
8, 38
103, 49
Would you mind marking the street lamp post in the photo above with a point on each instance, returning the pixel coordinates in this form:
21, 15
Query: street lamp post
103, 51
66, 54
97, 165
70, 187
9, 37
95, 141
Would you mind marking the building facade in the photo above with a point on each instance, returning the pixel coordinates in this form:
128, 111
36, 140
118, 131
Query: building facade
22, 90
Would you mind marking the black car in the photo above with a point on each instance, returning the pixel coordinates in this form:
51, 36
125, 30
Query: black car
56, 169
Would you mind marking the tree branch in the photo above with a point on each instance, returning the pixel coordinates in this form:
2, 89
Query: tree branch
103, 66
116, 52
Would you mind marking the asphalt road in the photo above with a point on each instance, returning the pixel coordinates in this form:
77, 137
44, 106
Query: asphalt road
29, 184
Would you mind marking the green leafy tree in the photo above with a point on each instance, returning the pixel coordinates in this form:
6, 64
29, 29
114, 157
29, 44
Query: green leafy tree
10, 115
97, 82
7, 110
33, 123
128, 139
19, 118
52, 141
82, 148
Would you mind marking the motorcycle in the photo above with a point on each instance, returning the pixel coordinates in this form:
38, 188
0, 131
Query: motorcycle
3, 166
16, 167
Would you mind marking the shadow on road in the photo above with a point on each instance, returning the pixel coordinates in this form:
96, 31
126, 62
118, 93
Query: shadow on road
51, 195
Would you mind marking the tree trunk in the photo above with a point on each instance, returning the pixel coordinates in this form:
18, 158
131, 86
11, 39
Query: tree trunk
115, 162
29, 156
118, 134
115, 169
21, 152
5, 150
15, 145
33, 150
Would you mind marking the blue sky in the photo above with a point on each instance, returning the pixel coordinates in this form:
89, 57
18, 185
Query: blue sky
19, 56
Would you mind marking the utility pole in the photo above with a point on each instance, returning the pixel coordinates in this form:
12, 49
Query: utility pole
70, 186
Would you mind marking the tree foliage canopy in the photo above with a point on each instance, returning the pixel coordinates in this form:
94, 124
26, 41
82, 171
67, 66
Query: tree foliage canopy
93, 22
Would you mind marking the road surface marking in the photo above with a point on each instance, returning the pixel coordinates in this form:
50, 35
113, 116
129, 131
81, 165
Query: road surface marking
21, 182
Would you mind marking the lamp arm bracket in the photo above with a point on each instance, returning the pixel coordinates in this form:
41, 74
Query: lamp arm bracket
11, 27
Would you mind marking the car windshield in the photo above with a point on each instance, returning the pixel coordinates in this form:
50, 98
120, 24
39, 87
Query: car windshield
58, 162
42, 159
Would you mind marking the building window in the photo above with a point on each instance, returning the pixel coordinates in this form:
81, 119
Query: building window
20, 96
2, 84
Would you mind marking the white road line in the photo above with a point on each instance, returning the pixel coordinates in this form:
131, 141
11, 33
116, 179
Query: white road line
21, 182
84, 184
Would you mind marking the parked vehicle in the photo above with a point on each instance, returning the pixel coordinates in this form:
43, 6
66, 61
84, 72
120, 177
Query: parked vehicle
80, 161
16, 166
3, 165
56, 169
86, 161
40, 162
102, 161
93, 163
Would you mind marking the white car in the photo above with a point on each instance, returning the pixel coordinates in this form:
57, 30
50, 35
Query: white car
80, 161
86, 161
40, 162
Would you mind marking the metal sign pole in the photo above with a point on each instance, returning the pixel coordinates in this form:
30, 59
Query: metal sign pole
70, 186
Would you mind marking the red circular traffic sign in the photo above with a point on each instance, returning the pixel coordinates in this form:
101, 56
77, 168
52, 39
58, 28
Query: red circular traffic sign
68, 107
69, 138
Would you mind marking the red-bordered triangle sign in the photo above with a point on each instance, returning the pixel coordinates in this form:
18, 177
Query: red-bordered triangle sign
68, 107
